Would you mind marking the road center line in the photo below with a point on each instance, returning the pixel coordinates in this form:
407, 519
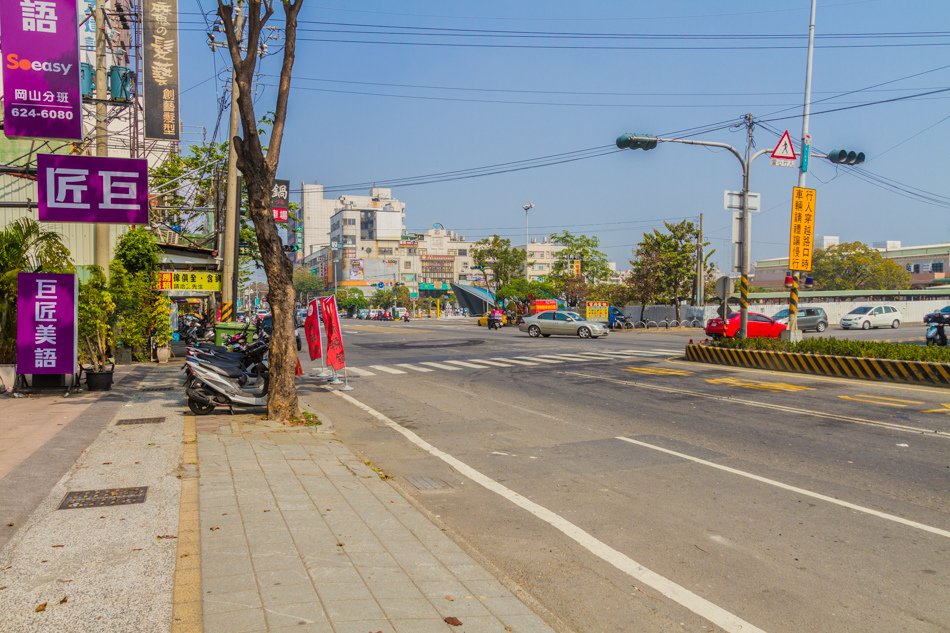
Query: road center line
679, 594
783, 486
766, 405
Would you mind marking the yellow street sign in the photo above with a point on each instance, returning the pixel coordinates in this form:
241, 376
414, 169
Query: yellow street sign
658, 371
188, 280
802, 237
755, 384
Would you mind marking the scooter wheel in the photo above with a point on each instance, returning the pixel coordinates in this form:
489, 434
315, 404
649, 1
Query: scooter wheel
200, 408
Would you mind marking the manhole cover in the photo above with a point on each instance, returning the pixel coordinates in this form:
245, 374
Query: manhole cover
140, 421
105, 497
428, 483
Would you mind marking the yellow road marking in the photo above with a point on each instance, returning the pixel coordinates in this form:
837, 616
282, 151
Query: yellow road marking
186, 591
882, 400
945, 409
658, 371
755, 384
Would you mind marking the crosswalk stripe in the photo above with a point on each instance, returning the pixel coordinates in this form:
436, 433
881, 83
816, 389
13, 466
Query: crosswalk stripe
543, 359
493, 362
595, 355
566, 356
356, 371
413, 367
516, 362
388, 370
440, 366
463, 363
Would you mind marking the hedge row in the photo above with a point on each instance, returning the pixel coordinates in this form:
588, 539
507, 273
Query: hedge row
842, 347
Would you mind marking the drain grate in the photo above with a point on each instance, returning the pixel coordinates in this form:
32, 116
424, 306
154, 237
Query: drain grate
141, 421
159, 388
428, 483
105, 497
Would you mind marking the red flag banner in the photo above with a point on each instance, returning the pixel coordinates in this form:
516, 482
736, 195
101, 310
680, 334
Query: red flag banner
311, 328
331, 323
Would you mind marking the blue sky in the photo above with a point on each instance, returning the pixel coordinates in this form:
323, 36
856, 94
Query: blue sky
369, 111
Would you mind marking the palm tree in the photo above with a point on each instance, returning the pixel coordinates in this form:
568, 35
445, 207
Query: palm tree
24, 247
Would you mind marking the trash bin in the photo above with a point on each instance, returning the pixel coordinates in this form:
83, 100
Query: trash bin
223, 329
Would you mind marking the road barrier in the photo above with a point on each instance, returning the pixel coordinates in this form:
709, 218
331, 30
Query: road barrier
905, 371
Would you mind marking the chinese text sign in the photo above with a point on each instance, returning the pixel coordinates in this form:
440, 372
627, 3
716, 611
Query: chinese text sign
161, 69
186, 280
46, 332
92, 189
801, 240
41, 95
280, 200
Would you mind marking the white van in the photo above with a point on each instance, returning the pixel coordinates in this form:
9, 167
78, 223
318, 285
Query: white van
400, 312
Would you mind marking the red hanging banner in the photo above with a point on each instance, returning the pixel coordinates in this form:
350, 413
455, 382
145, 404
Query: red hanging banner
331, 323
311, 328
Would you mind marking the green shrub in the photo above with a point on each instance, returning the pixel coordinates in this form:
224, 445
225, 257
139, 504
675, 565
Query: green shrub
842, 347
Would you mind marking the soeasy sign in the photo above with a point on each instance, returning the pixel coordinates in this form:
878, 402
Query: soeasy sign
41, 95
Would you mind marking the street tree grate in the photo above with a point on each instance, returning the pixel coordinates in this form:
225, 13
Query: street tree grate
140, 421
101, 498
426, 484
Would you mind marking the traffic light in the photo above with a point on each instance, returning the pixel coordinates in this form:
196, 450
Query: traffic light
637, 141
843, 156
313, 271
291, 248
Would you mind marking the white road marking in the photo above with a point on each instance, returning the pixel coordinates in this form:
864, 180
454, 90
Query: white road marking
596, 356
539, 359
679, 594
493, 362
462, 363
548, 358
413, 367
571, 357
356, 371
801, 491
516, 362
385, 369
766, 405
440, 366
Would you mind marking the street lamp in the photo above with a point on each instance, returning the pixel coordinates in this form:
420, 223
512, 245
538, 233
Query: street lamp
527, 206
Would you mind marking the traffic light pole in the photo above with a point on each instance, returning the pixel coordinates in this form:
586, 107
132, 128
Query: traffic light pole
791, 332
745, 251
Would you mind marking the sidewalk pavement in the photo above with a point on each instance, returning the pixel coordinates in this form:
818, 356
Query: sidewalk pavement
263, 528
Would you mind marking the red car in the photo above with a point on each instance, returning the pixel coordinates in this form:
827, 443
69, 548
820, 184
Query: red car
760, 326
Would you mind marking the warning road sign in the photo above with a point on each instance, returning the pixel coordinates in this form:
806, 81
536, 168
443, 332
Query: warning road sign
801, 238
784, 153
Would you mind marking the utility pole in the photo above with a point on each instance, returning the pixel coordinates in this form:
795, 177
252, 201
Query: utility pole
232, 217
700, 266
101, 231
791, 332
527, 207
745, 262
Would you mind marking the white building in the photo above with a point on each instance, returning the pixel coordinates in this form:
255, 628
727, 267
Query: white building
541, 257
318, 212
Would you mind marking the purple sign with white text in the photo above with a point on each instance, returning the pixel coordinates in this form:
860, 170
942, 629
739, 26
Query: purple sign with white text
92, 189
46, 323
41, 96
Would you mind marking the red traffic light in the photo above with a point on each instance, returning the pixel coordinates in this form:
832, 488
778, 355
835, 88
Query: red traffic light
789, 281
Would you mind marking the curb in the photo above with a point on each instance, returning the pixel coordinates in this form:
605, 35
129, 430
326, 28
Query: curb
886, 370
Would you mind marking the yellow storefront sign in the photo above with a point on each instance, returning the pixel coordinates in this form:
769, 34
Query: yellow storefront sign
188, 280
801, 242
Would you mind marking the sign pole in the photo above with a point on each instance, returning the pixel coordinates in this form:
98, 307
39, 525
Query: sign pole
101, 231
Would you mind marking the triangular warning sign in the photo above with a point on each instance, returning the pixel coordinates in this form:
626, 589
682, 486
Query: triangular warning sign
784, 149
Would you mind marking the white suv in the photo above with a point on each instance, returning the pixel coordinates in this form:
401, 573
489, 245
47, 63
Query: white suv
866, 317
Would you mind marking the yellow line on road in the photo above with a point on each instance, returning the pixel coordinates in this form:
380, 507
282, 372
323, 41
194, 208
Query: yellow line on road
755, 384
945, 409
657, 371
792, 411
882, 400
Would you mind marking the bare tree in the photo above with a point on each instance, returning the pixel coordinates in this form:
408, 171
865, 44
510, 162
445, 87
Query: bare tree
258, 167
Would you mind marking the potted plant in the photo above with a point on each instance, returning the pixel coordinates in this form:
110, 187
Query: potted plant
162, 334
96, 339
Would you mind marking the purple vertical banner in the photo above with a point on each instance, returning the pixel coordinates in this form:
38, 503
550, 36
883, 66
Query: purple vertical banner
41, 95
92, 189
47, 324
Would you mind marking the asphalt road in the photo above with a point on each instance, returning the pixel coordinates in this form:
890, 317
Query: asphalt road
631, 491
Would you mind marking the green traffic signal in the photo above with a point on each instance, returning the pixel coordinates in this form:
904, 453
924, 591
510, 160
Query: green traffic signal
844, 157
636, 141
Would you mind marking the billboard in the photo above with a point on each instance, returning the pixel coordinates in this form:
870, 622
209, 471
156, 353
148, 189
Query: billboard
41, 95
161, 69
356, 269
280, 200
47, 325
92, 189
188, 280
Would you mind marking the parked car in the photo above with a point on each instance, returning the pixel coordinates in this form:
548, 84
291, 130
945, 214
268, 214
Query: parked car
760, 326
866, 317
941, 316
363, 313
562, 322
808, 318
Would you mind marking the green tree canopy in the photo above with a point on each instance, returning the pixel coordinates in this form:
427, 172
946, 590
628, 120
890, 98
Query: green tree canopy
594, 266
500, 262
856, 266
351, 299
382, 298
664, 264
520, 290
138, 251
306, 284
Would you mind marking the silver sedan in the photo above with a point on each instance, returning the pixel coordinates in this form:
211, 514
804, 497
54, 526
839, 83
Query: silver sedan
562, 322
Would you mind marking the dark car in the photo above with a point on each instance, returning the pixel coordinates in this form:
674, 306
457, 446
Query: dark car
808, 318
940, 316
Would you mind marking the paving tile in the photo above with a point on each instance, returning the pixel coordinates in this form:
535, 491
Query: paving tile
352, 611
403, 607
429, 625
442, 588
343, 591
302, 614
506, 605
214, 585
303, 628
231, 601
486, 588
269, 561
364, 626
288, 593
525, 624
246, 621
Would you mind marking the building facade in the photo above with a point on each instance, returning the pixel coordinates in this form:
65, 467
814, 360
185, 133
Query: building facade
541, 256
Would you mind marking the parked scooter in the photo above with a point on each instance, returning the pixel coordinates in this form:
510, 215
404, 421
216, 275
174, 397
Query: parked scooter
936, 324
208, 389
